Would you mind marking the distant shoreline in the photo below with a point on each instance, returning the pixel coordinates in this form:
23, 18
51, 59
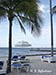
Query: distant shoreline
31, 47
28, 51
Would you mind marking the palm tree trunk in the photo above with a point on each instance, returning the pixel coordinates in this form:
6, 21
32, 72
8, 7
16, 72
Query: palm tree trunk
10, 46
51, 20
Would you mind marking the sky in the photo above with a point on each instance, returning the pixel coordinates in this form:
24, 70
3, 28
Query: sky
44, 40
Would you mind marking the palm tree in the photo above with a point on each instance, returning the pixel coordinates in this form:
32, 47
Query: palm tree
52, 12
51, 20
23, 10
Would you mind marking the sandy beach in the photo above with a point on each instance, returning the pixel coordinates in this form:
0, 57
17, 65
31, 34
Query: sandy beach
38, 67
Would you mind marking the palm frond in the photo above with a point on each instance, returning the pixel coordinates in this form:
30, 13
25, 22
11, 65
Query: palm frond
20, 22
29, 9
2, 13
54, 10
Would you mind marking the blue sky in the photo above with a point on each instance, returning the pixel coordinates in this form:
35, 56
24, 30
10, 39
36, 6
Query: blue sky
44, 40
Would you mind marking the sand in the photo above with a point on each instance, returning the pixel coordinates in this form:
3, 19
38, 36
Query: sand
38, 67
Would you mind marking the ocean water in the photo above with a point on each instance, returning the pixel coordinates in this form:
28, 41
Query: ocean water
24, 51
20, 51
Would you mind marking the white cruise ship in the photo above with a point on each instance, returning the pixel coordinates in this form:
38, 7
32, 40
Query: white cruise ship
23, 44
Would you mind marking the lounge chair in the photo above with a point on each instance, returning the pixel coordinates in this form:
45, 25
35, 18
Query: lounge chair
22, 65
22, 57
3, 67
14, 58
1, 64
45, 58
25, 61
26, 67
49, 59
16, 66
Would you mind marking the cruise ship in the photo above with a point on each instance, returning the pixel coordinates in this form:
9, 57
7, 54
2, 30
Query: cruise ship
23, 44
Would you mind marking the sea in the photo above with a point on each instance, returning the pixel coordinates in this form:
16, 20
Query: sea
26, 51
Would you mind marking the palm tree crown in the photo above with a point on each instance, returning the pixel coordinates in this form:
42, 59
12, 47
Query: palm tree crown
27, 8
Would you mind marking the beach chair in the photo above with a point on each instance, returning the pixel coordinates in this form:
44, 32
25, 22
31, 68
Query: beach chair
49, 59
15, 58
3, 67
26, 67
1, 64
23, 57
23, 65
16, 66
25, 61
45, 58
